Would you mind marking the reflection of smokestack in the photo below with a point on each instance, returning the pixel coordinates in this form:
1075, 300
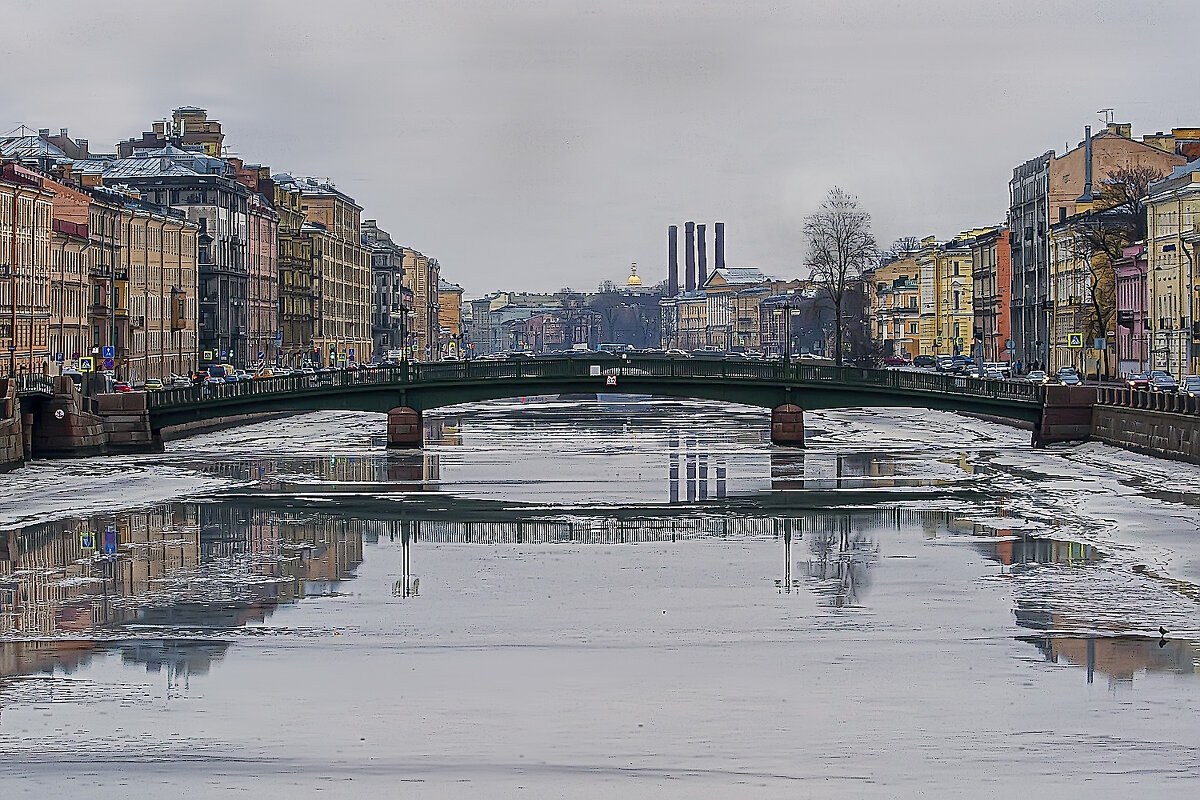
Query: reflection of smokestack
1086, 197
689, 256
702, 254
672, 261
719, 245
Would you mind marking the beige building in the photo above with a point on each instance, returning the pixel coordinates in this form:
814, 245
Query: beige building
1173, 301
421, 277
26, 211
341, 272
450, 318
692, 330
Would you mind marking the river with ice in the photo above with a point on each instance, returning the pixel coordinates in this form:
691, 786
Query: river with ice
594, 599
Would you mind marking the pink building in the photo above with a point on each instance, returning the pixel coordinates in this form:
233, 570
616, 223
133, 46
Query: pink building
262, 295
1132, 347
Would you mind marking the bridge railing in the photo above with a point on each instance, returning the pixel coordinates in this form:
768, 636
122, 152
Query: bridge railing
29, 384
583, 368
283, 384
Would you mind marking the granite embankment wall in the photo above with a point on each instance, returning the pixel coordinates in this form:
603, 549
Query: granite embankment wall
12, 431
1165, 434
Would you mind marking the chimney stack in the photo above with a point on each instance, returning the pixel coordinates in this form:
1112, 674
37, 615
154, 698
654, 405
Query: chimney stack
672, 261
701, 256
689, 256
1086, 197
719, 244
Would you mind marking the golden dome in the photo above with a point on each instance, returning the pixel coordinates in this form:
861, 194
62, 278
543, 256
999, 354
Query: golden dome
633, 279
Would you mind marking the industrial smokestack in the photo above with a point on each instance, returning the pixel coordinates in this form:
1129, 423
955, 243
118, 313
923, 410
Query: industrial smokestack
689, 256
1086, 197
702, 256
672, 261
719, 245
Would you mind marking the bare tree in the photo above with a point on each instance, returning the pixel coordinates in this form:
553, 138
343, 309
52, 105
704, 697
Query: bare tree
840, 247
1099, 238
905, 244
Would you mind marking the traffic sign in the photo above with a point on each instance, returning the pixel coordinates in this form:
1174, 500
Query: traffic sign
351, 352
1100, 344
1010, 345
610, 380
208, 355
1075, 340
59, 357
224, 354
110, 541
87, 541
85, 364
108, 363
108, 351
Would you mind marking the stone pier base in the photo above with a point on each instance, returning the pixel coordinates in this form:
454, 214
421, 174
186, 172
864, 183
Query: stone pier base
787, 426
404, 428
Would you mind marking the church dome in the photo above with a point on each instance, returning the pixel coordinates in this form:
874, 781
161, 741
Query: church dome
633, 279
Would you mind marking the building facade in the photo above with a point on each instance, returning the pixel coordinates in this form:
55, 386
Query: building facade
1133, 349
450, 319
421, 276
1044, 191
26, 214
341, 272
991, 271
392, 301
1172, 241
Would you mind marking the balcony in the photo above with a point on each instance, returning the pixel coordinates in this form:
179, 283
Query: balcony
99, 310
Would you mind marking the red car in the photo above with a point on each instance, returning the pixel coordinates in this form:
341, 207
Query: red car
897, 361
122, 386
1137, 380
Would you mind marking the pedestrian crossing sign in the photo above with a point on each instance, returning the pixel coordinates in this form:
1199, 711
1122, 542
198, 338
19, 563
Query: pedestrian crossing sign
1075, 340
86, 364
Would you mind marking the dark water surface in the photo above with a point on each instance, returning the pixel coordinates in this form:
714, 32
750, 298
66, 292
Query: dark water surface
602, 600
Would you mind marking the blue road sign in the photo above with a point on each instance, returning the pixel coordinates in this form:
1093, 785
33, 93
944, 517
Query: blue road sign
59, 357
108, 351
108, 363
110, 542
224, 354
87, 541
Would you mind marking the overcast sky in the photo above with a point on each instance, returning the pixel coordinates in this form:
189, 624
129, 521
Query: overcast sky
535, 145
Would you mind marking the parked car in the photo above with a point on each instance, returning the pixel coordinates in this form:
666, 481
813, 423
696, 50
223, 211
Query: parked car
897, 361
1037, 376
925, 362
153, 385
1190, 386
122, 386
1161, 382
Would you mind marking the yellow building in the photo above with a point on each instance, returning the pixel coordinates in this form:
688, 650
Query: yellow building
1173, 301
945, 290
894, 308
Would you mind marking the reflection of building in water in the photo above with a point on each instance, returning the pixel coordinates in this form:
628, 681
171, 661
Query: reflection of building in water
305, 551
809, 470
704, 475
840, 557
444, 431
285, 473
51, 583
1120, 657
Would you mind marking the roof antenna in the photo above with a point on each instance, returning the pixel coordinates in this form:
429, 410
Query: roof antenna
1106, 114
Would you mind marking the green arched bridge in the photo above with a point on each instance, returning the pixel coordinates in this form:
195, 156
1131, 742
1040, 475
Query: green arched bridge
788, 389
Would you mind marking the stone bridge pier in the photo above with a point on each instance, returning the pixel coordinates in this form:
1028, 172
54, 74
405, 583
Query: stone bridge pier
787, 426
404, 428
